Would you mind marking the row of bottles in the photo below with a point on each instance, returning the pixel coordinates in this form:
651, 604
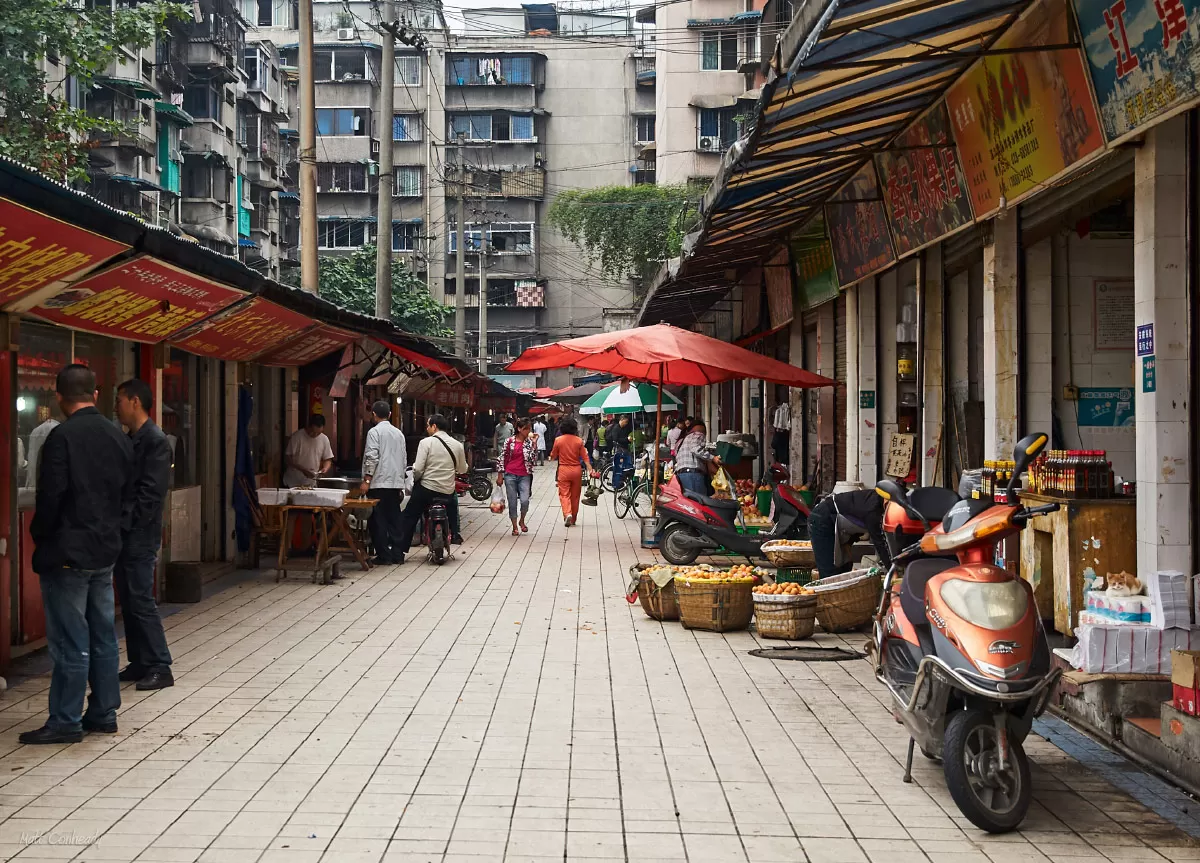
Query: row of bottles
1072, 473
994, 480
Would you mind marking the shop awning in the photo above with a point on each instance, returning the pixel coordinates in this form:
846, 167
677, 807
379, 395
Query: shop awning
141, 183
418, 359
714, 100
243, 243
289, 196
855, 76
731, 21
243, 332
173, 112
308, 346
138, 88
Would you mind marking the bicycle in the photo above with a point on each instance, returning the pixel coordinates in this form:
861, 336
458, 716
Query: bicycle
636, 493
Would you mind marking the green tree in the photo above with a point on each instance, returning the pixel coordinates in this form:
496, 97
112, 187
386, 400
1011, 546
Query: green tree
627, 231
349, 282
37, 125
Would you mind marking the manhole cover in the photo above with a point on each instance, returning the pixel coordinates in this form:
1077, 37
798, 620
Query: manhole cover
807, 654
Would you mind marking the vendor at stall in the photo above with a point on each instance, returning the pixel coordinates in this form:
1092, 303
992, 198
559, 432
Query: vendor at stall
692, 461
860, 509
309, 454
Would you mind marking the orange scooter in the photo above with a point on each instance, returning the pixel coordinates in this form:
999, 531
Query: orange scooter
959, 643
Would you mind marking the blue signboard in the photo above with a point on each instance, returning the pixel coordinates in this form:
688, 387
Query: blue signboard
1106, 407
1145, 340
1141, 54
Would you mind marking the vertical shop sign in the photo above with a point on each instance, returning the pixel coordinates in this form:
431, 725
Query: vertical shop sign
1022, 118
1149, 378
858, 228
1145, 340
1142, 55
813, 259
923, 191
37, 251
1112, 314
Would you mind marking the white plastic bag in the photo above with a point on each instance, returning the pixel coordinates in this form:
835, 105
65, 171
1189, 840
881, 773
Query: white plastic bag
497, 504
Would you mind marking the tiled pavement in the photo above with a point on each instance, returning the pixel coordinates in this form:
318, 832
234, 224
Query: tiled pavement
511, 706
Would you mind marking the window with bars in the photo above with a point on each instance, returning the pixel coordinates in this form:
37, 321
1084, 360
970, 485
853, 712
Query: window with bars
342, 177
407, 181
492, 127
344, 234
504, 238
718, 129
203, 100
342, 64
719, 51
404, 236
644, 128
408, 70
406, 127
343, 121
490, 70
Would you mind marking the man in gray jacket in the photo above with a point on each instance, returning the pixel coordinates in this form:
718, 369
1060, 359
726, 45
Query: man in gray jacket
385, 461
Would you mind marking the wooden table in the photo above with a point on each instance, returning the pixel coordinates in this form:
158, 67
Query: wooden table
1061, 553
329, 524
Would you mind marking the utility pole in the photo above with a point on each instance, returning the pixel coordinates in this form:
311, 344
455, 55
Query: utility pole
460, 295
387, 99
484, 246
308, 153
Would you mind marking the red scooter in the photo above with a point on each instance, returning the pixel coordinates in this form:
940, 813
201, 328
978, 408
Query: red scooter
690, 523
960, 645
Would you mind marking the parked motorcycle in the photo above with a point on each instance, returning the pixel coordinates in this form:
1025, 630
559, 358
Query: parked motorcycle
478, 482
960, 645
691, 523
435, 530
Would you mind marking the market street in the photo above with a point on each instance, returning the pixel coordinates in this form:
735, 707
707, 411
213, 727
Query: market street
512, 706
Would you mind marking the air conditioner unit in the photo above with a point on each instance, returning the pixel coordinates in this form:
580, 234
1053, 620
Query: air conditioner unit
710, 142
346, 34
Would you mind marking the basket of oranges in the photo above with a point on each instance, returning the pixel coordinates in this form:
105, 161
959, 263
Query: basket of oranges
789, 553
786, 611
715, 600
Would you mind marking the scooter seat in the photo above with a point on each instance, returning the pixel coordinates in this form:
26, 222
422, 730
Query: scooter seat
714, 502
933, 502
912, 590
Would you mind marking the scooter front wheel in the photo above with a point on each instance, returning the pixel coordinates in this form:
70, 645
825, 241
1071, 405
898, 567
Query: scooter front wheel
674, 551
993, 798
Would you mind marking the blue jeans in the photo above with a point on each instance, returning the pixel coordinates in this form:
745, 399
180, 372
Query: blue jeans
145, 641
693, 481
518, 488
622, 462
82, 637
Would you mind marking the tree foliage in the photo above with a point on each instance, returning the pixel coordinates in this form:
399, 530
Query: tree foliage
349, 282
627, 230
37, 125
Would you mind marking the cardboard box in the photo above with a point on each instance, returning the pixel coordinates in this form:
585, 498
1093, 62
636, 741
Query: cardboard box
1185, 680
1131, 649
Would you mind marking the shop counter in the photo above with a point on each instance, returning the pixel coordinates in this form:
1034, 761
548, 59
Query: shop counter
1062, 552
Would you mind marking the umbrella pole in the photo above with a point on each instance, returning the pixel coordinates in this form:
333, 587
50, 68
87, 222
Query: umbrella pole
657, 436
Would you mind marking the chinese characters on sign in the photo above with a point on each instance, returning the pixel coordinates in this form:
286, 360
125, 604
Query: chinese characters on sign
142, 300
36, 251
309, 346
1145, 340
813, 260
245, 331
1149, 383
1141, 54
1112, 315
1105, 408
1021, 119
858, 228
922, 189
451, 396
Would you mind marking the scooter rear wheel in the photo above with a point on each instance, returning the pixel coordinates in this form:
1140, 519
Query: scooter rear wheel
481, 488
437, 544
671, 549
994, 800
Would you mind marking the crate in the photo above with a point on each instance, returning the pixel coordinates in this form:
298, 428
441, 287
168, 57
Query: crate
794, 576
730, 453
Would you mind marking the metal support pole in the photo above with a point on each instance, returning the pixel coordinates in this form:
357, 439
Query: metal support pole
387, 98
483, 300
308, 153
460, 296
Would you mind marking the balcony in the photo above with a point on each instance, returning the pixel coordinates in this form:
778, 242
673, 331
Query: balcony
170, 61
516, 183
502, 294
126, 194
142, 145
644, 70
216, 44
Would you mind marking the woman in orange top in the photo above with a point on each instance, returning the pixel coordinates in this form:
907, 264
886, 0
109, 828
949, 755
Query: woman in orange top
571, 454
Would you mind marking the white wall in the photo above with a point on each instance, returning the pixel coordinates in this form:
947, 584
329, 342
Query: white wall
1088, 260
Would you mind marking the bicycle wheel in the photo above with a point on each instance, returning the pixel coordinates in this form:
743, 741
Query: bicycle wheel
606, 479
623, 499
641, 501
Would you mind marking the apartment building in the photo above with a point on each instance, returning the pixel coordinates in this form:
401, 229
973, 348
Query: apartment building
529, 101
707, 70
203, 151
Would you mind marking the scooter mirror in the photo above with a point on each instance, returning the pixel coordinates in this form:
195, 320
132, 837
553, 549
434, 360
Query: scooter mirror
1027, 449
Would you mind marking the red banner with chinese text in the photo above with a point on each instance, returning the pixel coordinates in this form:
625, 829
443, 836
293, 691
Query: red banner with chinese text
448, 395
143, 300
36, 251
245, 332
309, 346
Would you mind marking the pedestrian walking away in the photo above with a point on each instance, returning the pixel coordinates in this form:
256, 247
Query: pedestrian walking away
385, 461
514, 470
539, 439
145, 641
572, 457
439, 458
618, 437
83, 489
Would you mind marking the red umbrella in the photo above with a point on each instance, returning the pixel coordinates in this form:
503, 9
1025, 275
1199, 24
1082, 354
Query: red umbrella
663, 354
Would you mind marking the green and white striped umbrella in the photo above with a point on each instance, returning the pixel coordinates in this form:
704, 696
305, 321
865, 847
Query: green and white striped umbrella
638, 397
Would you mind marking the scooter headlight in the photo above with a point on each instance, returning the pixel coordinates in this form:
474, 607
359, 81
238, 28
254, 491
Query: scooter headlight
992, 605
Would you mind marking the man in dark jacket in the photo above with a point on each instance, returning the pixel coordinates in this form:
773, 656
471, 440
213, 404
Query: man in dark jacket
82, 491
145, 641
862, 511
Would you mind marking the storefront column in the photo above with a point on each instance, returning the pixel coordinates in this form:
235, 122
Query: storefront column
796, 402
868, 375
1160, 265
8, 490
230, 391
1000, 363
1038, 375
852, 420
933, 410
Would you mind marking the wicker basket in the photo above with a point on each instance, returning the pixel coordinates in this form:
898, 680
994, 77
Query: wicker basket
658, 602
847, 601
716, 607
789, 556
793, 618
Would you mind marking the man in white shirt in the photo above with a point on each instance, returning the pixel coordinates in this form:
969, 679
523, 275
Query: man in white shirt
781, 422
439, 458
309, 454
37, 437
385, 459
539, 431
